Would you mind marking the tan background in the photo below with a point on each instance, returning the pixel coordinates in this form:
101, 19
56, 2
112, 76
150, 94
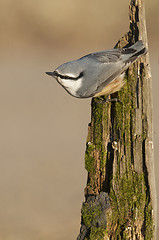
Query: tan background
43, 129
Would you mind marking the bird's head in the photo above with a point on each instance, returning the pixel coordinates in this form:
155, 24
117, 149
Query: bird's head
70, 76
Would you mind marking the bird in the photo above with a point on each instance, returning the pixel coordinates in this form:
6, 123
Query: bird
97, 74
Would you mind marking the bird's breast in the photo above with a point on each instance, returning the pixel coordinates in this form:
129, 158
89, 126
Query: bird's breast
112, 87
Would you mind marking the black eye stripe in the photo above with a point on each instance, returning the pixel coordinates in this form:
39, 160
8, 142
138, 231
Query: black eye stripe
68, 77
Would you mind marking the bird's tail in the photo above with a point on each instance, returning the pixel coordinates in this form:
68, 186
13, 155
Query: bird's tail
130, 54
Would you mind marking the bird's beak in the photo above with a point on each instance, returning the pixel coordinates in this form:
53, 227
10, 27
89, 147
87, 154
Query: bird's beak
51, 73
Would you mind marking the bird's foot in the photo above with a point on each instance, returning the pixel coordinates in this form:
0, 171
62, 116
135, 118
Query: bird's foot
108, 99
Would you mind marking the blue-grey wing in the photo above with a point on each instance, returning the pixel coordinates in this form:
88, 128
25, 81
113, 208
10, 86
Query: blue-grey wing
107, 56
108, 65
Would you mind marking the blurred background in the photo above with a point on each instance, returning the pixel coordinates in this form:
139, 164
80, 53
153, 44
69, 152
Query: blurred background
43, 129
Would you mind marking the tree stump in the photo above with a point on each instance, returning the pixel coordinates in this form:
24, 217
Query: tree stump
120, 196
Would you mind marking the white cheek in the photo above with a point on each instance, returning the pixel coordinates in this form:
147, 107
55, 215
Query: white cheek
72, 86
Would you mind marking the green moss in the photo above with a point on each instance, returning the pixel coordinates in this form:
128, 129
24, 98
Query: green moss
127, 201
91, 214
97, 233
103, 159
95, 151
97, 116
89, 158
148, 223
125, 110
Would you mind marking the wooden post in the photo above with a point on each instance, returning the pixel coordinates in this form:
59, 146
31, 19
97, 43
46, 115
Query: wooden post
120, 196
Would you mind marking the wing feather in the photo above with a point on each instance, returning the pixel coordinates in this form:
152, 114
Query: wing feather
109, 56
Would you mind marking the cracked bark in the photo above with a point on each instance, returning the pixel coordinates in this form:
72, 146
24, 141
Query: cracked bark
120, 195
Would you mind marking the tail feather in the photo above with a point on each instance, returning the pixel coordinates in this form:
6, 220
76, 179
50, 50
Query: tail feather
132, 53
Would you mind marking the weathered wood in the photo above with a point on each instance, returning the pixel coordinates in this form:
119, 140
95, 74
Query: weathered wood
120, 193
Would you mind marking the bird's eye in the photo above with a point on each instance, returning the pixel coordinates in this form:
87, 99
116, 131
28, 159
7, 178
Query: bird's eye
65, 77
69, 77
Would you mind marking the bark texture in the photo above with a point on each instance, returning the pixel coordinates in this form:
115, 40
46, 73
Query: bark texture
120, 196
